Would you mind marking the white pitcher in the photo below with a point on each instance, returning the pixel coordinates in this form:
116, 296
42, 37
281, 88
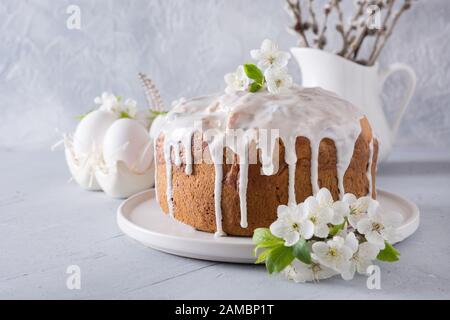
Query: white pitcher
358, 84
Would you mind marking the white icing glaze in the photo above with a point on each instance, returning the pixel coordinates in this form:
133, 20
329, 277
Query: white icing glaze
243, 181
169, 191
308, 112
217, 199
156, 170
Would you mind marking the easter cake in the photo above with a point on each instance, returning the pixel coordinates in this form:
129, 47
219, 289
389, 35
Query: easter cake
226, 162
323, 141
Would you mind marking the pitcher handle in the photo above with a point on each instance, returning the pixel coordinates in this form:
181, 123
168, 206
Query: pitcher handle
384, 75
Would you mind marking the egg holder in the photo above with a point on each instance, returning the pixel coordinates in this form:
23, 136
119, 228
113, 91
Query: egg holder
116, 180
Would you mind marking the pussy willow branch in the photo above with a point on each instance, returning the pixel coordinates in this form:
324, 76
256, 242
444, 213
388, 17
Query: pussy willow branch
386, 34
340, 26
320, 40
390, 5
293, 6
354, 34
312, 14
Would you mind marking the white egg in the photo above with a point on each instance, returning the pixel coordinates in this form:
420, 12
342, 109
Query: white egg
91, 131
128, 141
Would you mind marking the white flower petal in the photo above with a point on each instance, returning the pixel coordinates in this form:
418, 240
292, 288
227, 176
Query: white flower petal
291, 238
372, 208
256, 54
364, 225
320, 248
367, 251
324, 198
351, 242
282, 210
321, 230
390, 235
362, 266
307, 229
349, 198
279, 228
325, 215
349, 272
376, 239
268, 46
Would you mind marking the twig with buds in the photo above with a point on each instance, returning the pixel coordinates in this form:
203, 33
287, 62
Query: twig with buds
355, 33
386, 31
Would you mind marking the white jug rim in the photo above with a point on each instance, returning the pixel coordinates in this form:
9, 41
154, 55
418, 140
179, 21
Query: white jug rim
330, 54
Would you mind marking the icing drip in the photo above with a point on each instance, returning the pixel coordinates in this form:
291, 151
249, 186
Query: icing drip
243, 181
218, 200
369, 167
187, 141
315, 166
290, 156
156, 170
176, 149
169, 191
312, 113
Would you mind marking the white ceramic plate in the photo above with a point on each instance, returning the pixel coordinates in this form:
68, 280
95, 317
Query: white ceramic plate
141, 218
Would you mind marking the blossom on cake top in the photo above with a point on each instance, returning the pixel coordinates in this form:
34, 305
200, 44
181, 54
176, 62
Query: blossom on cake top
278, 80
269, 72
268, 56
236, 81
314, 240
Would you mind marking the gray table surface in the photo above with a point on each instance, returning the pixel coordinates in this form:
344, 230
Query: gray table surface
47, 224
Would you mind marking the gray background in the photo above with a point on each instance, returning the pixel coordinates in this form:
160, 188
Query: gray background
48, 73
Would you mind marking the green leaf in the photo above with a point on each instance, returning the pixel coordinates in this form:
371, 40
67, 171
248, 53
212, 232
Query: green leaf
254, 87
279, 258
334, 230
300, 250
82, 116
263, 256
263, 235
388, 254
154, 114
263, 238
253, 72
124, 115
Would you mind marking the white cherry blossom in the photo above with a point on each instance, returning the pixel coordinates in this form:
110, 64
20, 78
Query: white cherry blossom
333, 254
236, 81
278, 80
130, 107
378, 227
358, 207
363, 255
302, 272
292, 224
108, 102
268, 56
341, 211
319, 211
